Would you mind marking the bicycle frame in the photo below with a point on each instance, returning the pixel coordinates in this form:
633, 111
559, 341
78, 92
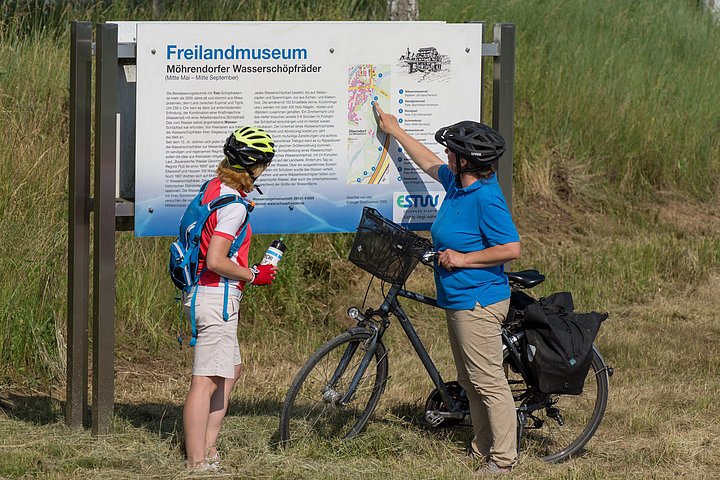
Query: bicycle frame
391, 305
417, 344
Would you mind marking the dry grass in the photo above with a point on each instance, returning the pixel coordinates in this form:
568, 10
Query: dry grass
660, 422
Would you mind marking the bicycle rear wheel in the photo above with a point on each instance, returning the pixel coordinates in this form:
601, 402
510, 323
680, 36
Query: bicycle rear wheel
312, 409
557, 427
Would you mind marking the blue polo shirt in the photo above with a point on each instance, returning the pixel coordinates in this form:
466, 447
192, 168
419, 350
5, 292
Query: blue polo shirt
471, 219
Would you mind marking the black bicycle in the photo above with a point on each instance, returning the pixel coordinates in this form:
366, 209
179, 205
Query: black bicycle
335, 393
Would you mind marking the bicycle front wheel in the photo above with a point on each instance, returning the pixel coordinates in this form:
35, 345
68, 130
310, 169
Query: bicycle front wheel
557, 427
315, 408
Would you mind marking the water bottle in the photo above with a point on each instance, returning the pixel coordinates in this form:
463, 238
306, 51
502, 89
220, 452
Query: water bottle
274, 253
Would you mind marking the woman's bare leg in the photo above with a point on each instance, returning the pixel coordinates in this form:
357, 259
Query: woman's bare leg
196, 414
218, 408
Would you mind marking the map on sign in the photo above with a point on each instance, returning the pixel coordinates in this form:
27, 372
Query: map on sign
368, 159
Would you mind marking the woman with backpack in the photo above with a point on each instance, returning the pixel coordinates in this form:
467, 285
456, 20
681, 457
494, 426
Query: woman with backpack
475, 235
213, 304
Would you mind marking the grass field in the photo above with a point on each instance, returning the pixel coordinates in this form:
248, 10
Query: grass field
661, 338
616, 199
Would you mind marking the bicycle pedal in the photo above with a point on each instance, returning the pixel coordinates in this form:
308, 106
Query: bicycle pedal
434, 418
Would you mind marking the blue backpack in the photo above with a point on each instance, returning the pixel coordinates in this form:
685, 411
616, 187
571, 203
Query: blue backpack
184, 251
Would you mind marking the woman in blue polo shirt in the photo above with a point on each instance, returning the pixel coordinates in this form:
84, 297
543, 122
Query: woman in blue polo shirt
475, 235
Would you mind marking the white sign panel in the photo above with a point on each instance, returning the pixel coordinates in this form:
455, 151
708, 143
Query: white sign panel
311, 86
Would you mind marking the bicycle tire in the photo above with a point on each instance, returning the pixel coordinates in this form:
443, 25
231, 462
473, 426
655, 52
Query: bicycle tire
582, 415
308, 415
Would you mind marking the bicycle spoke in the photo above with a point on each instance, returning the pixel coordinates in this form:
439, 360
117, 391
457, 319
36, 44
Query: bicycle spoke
558, 426
314, 412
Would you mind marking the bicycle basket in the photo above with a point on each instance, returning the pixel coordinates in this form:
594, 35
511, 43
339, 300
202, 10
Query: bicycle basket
385, 249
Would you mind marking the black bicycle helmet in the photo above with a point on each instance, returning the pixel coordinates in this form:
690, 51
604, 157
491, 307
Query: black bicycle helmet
249, 146
475, 142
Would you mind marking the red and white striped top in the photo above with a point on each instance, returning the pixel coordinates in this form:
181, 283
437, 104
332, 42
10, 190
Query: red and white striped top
225, 222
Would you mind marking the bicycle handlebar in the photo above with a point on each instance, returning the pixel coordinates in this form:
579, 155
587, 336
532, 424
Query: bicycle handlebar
428, 258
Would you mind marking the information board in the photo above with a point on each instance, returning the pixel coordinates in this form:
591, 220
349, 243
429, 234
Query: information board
311, 85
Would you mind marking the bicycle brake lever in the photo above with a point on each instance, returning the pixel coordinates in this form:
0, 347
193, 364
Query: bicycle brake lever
429, 258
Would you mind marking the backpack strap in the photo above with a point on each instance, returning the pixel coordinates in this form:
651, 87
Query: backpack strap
234, 247
223, 200
227, 200
237, 243
193, 325
204, 186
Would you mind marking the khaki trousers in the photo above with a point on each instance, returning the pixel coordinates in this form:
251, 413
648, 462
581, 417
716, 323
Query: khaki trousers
477, 349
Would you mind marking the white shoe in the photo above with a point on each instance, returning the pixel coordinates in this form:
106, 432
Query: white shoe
206, 466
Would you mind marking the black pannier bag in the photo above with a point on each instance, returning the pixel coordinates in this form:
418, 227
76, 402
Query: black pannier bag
558, 344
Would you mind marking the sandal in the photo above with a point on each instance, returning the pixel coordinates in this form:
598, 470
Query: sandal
204, 466
214, 459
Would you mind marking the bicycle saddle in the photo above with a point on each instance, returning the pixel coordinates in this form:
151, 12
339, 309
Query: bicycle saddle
526, 278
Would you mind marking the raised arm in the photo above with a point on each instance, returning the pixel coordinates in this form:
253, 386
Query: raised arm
418, 153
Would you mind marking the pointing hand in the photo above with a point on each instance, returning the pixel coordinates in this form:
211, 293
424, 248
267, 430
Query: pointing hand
387, 122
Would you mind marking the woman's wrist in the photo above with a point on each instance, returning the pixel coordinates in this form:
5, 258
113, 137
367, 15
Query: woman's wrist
464, 261
399, 134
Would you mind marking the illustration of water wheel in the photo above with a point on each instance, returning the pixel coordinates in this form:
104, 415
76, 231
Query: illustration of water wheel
423, 66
